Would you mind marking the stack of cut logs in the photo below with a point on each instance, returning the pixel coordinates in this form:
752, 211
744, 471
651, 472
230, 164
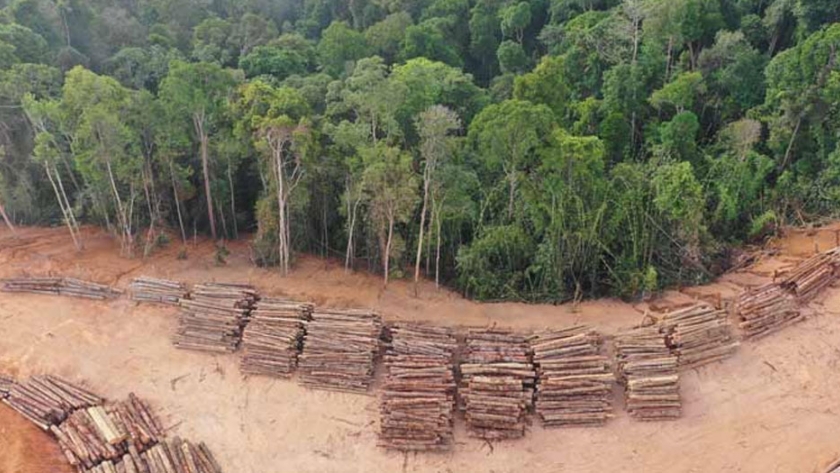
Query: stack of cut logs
649, 371
5, 386
699, 335
339, 350
146, 289
418, 396
48, 400
107, 432
813, 275
272, 340
173, 456
62, 287
497, 384
765, 310
574, 385
213, 317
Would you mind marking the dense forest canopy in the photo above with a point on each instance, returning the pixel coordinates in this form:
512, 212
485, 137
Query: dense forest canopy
537, 150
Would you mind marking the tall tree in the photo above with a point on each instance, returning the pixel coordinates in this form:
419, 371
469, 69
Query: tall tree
195, 94
434, 126
391, 191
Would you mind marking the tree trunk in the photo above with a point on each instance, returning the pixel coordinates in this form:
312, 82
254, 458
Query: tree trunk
437, 254
121, 216
177, 203
790, 143
352, 208
422, 231
281, 215
205, 167
6, 219
232, 201
512, 179
387, 257
65, 211
151, 231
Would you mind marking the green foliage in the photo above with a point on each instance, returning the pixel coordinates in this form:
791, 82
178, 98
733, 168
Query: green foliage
512, 57
546, 84
272, 61
495, 264
603, 146
386, 36
339, 47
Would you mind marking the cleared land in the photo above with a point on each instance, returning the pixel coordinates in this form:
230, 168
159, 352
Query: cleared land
772, 407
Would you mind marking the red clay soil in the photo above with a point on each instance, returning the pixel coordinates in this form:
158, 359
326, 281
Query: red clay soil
25, 448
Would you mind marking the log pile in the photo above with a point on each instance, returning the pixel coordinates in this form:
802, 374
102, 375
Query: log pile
61, 287
574, 382
497, 386
339, 350
418, 396
699, 335
5, 386
48, 400
146, 289
103, 433
273, 338
650, 375
811, 276
765, 310
213, 317
172, 456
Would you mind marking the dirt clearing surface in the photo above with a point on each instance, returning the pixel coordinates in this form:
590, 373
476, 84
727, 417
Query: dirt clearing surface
774, 407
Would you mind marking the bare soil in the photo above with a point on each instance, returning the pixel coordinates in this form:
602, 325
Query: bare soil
771, 408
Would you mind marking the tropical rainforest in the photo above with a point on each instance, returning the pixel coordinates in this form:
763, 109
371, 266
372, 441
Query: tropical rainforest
538, 150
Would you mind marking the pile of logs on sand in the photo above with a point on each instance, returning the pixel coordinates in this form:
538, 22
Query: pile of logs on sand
213, 317
765, 310
497, 384
418, 396
146, 289
339, 350
813, 275
172, 456
107, 432
273, 338
61, 287
698, 335
48, 400
5, 386
649, 371
574, 383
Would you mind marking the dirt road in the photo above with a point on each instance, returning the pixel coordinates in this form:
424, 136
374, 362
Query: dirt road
774, 407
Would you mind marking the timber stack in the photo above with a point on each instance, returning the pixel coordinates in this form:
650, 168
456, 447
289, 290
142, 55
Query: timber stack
273, 337
339, 350
48, 400
5, 386
649, 372
213, 317
162, 291
107, 433
497, 384
810, 277
574, 381
418, 396
699, 335
765, 310
61, 287
172, 456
